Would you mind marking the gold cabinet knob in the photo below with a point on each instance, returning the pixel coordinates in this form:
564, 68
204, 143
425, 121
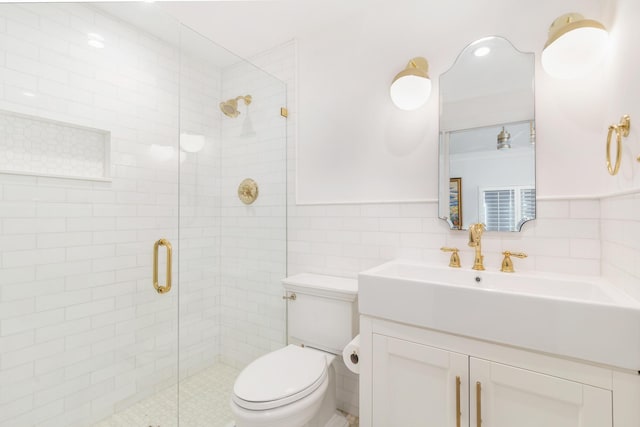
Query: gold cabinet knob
507, 263
454, 261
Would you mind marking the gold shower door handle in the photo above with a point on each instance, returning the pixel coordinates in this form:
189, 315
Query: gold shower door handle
166, 288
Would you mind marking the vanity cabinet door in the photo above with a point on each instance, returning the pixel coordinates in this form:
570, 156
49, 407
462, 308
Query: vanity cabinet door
517, 397
415, 385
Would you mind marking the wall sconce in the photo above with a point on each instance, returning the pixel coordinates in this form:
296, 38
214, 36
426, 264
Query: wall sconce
574, 47
504, 139
411, 87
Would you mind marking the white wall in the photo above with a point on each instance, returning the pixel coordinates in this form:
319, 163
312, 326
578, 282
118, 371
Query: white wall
620, 214
356, 146
352, 146
348, 238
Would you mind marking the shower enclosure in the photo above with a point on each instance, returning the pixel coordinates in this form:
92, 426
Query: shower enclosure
136, 277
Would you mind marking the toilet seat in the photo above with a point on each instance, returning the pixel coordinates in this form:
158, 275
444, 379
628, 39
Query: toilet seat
280, 378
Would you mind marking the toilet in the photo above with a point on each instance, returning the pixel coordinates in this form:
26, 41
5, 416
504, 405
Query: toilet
295, 385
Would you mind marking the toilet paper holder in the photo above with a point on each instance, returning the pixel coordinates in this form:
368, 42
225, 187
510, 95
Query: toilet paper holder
351, 355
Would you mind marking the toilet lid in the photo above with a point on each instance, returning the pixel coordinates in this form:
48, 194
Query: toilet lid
279, 378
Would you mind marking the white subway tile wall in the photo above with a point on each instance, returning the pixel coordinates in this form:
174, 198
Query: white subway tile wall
253, 250
199, 254
621, 241
346, 239
82, 332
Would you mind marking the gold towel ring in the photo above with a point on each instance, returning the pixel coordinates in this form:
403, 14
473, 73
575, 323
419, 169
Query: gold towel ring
621, 129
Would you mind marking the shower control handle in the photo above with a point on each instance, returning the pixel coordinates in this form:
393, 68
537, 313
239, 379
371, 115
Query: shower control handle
291, 297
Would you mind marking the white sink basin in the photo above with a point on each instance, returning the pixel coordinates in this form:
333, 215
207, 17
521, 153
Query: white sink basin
585, 318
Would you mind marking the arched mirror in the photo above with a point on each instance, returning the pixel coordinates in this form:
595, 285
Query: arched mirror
487, 137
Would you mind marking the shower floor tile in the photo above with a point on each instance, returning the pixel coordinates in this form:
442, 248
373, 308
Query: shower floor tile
204, 402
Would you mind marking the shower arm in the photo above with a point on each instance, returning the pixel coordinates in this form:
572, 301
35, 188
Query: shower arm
247, 99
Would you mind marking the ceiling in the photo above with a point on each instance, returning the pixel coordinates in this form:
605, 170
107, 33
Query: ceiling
238, 27
250, 27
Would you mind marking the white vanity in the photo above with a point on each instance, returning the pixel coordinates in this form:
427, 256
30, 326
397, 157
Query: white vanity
443, 347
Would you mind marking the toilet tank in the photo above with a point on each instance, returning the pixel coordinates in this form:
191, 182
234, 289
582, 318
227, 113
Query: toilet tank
324, 313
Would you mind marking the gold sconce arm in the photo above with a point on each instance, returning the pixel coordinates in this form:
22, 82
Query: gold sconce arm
621, 129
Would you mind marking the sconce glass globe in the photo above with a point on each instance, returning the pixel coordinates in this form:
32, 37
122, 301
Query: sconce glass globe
411, 87
575, 46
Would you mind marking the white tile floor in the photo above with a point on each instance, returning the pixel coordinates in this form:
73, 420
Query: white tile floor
204, 402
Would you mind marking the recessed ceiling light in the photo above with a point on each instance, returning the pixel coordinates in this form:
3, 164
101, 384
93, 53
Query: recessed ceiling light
482, 51
29, 94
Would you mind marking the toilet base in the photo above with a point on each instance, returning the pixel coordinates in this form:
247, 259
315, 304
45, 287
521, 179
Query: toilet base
338, 420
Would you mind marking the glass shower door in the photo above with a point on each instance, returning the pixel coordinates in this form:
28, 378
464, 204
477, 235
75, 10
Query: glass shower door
133, 278
232, 224
89, 124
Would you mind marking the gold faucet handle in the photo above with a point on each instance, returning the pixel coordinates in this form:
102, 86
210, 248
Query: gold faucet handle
507, 263
455, 258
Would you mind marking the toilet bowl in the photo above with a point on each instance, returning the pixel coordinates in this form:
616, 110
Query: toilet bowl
284, 388
295, 385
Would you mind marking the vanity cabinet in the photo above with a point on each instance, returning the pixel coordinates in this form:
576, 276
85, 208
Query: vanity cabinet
417, 385
512, 396
414, 377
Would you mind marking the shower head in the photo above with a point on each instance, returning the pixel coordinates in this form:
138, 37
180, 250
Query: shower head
230, 106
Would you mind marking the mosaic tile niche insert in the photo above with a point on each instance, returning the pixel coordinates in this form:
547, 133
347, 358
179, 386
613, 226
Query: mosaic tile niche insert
37, 146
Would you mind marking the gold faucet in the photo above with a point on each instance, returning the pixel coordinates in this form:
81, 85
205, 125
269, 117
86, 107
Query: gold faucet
454, 261
507, 263
475, 241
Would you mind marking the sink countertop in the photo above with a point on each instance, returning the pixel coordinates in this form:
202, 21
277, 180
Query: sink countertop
579, 317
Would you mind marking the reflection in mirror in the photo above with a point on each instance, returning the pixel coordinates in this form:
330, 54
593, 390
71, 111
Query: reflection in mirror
487, 137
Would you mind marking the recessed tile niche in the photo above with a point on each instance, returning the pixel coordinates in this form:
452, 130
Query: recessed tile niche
33, 145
